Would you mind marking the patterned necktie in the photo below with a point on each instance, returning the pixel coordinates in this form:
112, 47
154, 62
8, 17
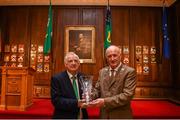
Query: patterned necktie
112, 74
75, 87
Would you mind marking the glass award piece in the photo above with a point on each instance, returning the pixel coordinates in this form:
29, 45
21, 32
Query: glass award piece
86, 86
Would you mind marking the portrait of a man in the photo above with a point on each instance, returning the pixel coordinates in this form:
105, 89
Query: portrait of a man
81, 41
81, 44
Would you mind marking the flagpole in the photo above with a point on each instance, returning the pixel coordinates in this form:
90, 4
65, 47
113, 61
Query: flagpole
48, 37
108, 30
30, 40
164, 2
52, 56
108, 3
167, 57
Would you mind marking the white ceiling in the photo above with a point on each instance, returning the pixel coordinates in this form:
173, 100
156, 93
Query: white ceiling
154, 3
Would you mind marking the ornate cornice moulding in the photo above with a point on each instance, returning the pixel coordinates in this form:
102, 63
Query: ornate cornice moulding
151, 3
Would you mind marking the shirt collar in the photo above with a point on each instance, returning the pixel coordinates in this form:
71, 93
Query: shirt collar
116, 69
70, 75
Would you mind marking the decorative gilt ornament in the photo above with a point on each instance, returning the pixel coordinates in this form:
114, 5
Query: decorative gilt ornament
13, 65
145, 59
145, 69
120, 48
46, 58
20, 57
138, 58
33, 48
7, 48
38, 61
13, 58
38, 90
145, 50
39, 67
138, 49
33, 66
40, 49
6, 58
153, 59
153, 50
46, 67
21, 48
20, 65
126, 59
125, 50
46, 91
33, 59
13, 48
40, 58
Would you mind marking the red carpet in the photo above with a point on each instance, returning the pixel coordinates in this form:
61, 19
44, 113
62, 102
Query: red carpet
155, 109
42, 108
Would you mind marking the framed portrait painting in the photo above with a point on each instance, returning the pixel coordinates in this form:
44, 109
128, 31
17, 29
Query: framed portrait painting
81, 40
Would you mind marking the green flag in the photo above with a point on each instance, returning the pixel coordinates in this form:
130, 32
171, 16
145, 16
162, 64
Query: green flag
48, 37
108, 28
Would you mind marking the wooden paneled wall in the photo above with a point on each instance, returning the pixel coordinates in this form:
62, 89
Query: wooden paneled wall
78, 16
132, 26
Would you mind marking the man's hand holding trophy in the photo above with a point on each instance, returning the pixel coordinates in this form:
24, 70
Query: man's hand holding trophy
87, 87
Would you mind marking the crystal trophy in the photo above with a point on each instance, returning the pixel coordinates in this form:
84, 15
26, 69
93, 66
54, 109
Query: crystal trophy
86, 86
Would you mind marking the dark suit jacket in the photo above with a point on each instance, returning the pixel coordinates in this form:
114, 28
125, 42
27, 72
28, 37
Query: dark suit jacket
63, 97
117, 92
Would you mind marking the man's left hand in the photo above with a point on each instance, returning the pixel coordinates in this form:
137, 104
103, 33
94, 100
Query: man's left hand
97, 103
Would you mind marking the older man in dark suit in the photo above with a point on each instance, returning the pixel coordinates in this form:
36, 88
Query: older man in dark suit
115, 87
66, 91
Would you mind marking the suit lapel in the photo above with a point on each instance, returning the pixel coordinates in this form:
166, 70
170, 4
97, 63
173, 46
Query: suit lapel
70, 86
116, 76
106, 81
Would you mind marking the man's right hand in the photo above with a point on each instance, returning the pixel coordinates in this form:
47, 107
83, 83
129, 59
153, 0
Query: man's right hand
82, 103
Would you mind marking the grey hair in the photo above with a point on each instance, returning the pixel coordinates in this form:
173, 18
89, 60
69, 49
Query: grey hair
68, 54
116, 48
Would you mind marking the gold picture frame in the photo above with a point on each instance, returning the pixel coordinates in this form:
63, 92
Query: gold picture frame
81, 40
